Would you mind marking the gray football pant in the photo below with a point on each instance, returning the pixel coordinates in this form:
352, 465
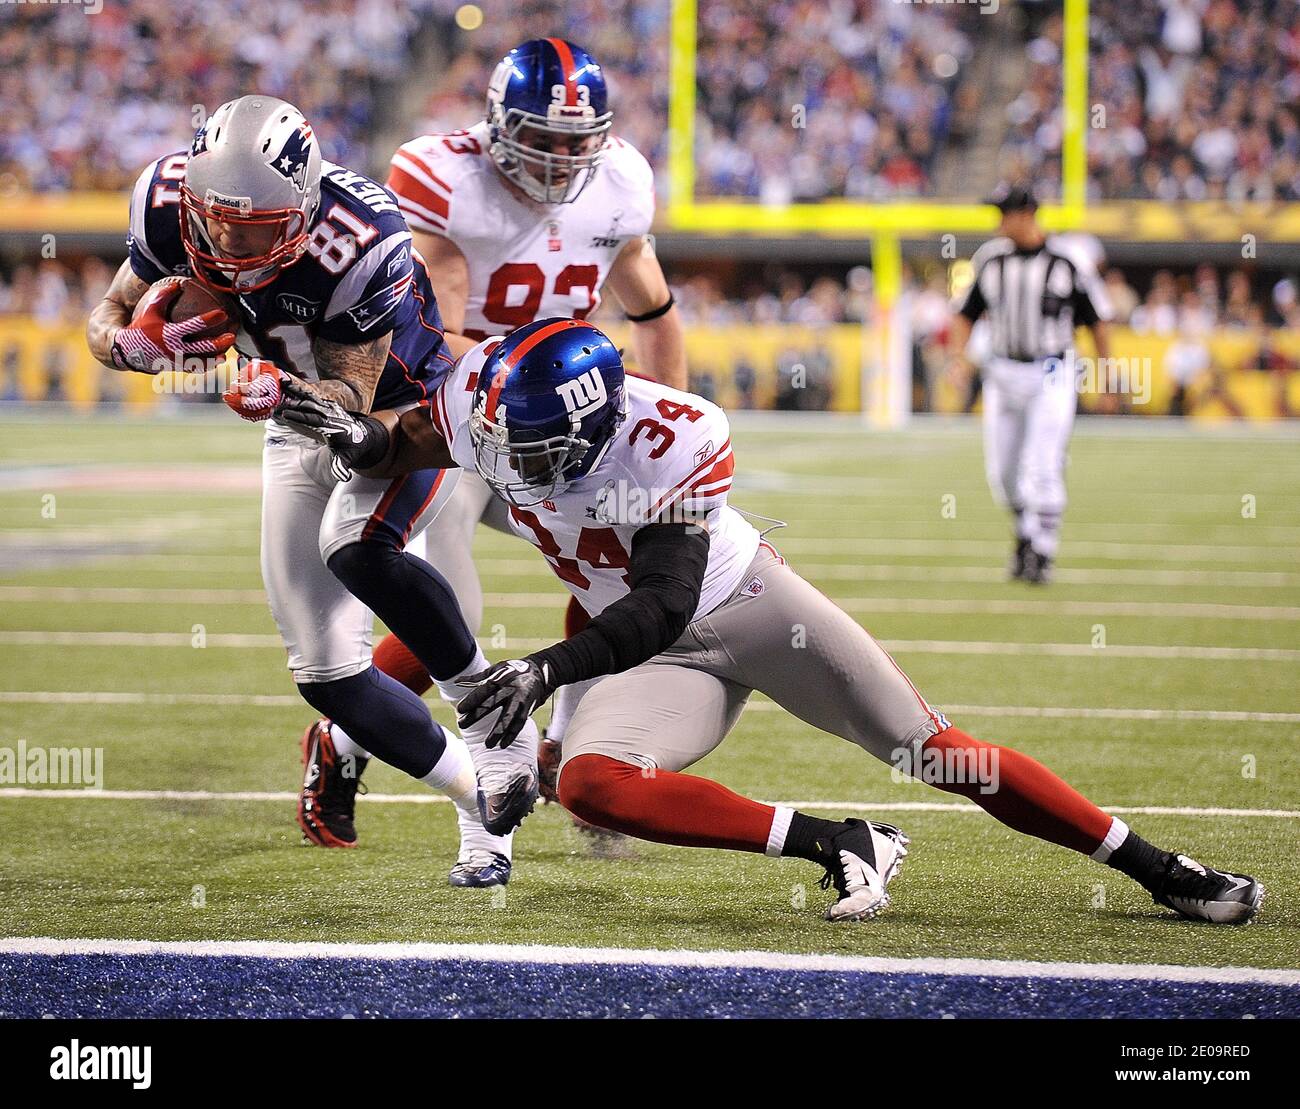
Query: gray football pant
776, 634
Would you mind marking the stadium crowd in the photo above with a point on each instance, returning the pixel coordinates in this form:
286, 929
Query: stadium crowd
1204, 109
88, 100
798, 100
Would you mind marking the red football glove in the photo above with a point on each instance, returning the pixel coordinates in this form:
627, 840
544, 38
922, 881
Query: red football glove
549, 755
150, 343
256, 393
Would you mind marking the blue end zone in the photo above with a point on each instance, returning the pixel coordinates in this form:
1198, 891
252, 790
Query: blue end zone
234, 986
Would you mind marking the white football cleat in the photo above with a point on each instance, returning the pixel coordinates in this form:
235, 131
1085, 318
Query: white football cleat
507, 776
868, 856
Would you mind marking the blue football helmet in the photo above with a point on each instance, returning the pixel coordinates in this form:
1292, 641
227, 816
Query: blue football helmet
548, 114
547, 404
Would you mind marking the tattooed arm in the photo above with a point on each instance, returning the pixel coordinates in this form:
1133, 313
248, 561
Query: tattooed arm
112, 312
350, 372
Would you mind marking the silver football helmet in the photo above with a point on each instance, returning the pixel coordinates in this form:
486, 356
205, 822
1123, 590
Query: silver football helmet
254, 171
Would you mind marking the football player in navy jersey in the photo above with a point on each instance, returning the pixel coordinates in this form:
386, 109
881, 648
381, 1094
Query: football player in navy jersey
317, 266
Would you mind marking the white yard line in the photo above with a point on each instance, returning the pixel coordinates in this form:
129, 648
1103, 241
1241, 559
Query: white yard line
1116, 650
25, 792
999, 549
196, 566
117, 697
614, 956
289, 700
962, 607
996, 575
247, 641
132, 639
116, 595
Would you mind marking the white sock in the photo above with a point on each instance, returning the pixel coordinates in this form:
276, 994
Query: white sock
779, 830
345, 745
453, 774
450, 688
1115, 836
563, 705
474, 837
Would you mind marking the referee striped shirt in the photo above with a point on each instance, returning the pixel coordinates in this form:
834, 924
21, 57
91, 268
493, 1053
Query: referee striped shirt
1034, 298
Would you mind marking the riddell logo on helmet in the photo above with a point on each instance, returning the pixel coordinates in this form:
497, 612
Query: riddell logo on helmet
241, 204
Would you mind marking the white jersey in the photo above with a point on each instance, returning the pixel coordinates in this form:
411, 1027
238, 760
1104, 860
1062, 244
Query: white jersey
672, 455
526, 260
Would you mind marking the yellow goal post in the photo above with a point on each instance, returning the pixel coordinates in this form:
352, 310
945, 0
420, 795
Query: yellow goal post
885, 225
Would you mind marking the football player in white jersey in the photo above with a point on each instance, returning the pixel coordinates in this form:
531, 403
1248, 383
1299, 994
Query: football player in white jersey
531, 213
622, 485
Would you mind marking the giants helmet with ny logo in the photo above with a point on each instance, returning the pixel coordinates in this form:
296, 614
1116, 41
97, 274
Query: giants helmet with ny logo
547, 404
548, 114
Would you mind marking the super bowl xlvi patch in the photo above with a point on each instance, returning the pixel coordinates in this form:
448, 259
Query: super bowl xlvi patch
753, 587
297, 307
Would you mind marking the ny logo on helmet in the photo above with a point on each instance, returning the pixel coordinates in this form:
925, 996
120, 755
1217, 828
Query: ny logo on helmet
583, 395
291, 161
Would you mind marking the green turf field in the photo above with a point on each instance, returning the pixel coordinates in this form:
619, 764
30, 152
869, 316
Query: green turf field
149, 546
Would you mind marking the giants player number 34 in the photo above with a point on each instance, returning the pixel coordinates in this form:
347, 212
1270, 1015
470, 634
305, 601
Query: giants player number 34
692, 612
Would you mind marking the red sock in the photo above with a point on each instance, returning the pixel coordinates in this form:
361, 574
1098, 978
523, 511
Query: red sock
1028, 797
575, 618
394, 658
662, 805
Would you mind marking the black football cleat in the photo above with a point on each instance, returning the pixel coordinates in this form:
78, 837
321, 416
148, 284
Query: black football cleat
1038, 568
479, 870
1016, 567
866, 857
327, 801
503, 803
1202, 893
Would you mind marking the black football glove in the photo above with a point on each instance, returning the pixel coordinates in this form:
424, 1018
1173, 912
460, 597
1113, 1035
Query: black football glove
517, 687
355, 442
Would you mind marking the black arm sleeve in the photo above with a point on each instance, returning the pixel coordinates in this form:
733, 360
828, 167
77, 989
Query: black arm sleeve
666, 571
974, 305
1085, 311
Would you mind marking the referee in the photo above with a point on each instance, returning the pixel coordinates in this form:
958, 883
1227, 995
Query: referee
1032, 295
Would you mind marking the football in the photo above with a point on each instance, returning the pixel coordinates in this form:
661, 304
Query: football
195, 299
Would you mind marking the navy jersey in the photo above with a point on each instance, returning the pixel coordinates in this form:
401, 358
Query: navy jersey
357, 281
